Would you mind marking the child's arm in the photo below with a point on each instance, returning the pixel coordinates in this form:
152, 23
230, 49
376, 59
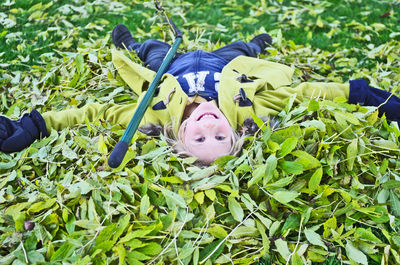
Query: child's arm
269, 102
17, 135
113, 113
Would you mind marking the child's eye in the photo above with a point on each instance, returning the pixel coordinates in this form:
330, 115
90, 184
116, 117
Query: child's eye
200, 139
219, 138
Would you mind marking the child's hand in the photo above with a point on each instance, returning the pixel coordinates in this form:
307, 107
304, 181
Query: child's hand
17, 135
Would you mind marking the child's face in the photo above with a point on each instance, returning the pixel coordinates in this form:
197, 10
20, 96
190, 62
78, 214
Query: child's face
208, 134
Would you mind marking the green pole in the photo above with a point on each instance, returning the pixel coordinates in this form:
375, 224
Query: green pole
122, 146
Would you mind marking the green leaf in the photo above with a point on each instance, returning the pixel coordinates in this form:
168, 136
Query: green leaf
199, 197
314, 124
120, 249
280, 183
173, 198
282, 248
394, 203
103, 246
264, 171
270, 166
257, 175
122, 224
151, 249
296, 259
137, 255
293, 221
352, 152
216, 247
144, 205
69, 153
185, 252
133, 243
291, 167
314, 238
203, 173
366, 234
287, 146
106, 233
63, 252
386, 144
210, 194
82, 187
88, 224
339, 116
35, 257
315, 180
265, 239
355, 254
259, 122
135, 234
313, 105
8, 165
248, 201
391, 184
101, 145
235, 209
43, 205
285, 196
79, 63
306, 160
130, 259
217, 231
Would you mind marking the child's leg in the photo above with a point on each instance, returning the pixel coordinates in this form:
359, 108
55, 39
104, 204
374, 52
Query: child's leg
151, 52
252, 49
363, 94
17, 135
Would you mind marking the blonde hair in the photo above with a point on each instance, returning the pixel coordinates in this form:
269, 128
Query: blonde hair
176, 140
177, 143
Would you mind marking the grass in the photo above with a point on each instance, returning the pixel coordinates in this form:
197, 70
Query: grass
326, 25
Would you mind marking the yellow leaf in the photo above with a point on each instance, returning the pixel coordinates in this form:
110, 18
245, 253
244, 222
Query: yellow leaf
102, 145
199, 197
331, 223
319, 22
352, 151
217, 231
211, 194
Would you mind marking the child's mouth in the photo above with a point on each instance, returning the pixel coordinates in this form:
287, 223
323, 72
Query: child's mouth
207, 115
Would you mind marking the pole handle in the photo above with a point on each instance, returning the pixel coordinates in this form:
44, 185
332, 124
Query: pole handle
118, 154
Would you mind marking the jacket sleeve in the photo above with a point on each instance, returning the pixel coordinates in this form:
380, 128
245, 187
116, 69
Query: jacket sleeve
269, 102
135, 75
92, 112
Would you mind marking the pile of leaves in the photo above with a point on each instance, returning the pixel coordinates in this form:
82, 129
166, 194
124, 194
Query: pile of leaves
322, 186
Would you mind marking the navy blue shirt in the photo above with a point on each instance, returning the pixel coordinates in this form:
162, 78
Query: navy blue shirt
198, 73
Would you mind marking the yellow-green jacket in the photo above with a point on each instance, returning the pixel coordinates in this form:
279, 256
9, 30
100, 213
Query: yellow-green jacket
266, 86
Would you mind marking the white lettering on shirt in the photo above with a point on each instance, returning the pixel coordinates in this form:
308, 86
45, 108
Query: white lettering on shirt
217, 77
196, 81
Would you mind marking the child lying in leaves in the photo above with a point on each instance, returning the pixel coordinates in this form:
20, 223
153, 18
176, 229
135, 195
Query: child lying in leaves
203, 98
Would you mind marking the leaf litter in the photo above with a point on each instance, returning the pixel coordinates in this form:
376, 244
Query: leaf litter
325, 185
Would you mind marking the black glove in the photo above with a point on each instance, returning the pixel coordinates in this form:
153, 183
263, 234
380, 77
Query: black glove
17, 135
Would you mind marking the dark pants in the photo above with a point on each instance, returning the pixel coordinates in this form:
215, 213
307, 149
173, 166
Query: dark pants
363, 94
152, 52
